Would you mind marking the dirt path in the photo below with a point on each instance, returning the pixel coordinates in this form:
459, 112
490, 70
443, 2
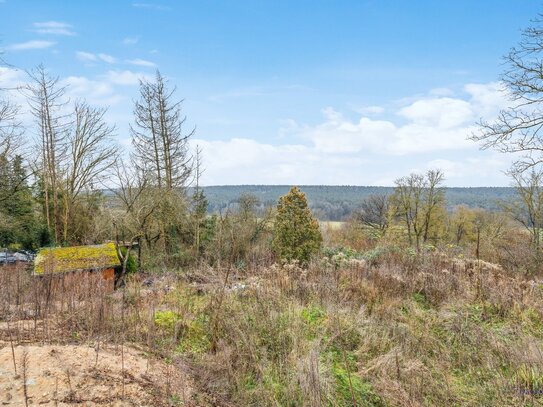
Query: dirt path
70, 375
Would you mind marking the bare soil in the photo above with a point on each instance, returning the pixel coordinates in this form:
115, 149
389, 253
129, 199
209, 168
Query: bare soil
68, 375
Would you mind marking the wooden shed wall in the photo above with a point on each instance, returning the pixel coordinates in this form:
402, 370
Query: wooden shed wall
99, 281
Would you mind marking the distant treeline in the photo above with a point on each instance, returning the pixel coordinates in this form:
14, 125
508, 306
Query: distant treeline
338, 202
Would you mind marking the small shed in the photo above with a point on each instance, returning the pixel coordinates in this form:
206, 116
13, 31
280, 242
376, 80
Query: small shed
78, 263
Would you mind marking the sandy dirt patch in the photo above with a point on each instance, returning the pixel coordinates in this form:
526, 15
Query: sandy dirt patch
70, 375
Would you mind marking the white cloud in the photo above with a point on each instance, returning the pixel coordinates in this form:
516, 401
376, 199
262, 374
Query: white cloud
96, 91
339, 135
151, 6
340, 150
101, 91
439, 112
414, 138
125, 78
86, 56
429, 124
107, 58
104, 90
426, 132
10, 77
130, 40
90, 57
54, 28
29, 45
487, 99
11, 80
370, 110
141, 62
475, 167
246, 161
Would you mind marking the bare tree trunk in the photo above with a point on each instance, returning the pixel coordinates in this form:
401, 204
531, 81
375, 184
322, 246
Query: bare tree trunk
45, 98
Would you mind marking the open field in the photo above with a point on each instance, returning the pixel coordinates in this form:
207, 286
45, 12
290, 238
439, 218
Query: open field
332, 225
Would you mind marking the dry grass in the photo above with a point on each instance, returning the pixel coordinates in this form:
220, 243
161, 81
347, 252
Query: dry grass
399, 330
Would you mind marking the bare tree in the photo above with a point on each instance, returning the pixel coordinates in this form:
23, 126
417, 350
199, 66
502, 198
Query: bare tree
11, 128
416, 200
91, 152
461, 223
408, 204
160, 145
517, 129
46, 99
434, 197
199, 200
528, 210
139, 202
374, 212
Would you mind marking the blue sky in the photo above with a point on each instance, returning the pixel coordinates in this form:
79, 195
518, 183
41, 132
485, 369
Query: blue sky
291, 92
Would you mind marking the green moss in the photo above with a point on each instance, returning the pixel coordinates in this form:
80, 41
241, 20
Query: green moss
63, 259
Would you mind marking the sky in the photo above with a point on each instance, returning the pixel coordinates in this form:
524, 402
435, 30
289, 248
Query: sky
290, 92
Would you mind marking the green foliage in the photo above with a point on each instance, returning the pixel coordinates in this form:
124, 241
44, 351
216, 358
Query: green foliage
19, 222
313, 315
421, 300
199, 204
345, 252
196, 337
297, 234
352, 390
166, 319
314, 319
374, 256
131, 264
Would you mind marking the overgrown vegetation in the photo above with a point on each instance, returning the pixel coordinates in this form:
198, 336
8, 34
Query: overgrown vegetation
388, 326
411, 301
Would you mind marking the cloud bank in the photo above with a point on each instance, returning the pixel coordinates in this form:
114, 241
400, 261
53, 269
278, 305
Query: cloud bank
364, 146
430, 131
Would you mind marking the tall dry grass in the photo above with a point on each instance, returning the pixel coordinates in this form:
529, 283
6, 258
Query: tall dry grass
402, 329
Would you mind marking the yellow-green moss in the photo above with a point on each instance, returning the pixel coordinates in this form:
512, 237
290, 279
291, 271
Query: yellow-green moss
63, 259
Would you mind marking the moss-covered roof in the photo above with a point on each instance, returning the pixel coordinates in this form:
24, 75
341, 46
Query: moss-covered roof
64, 259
